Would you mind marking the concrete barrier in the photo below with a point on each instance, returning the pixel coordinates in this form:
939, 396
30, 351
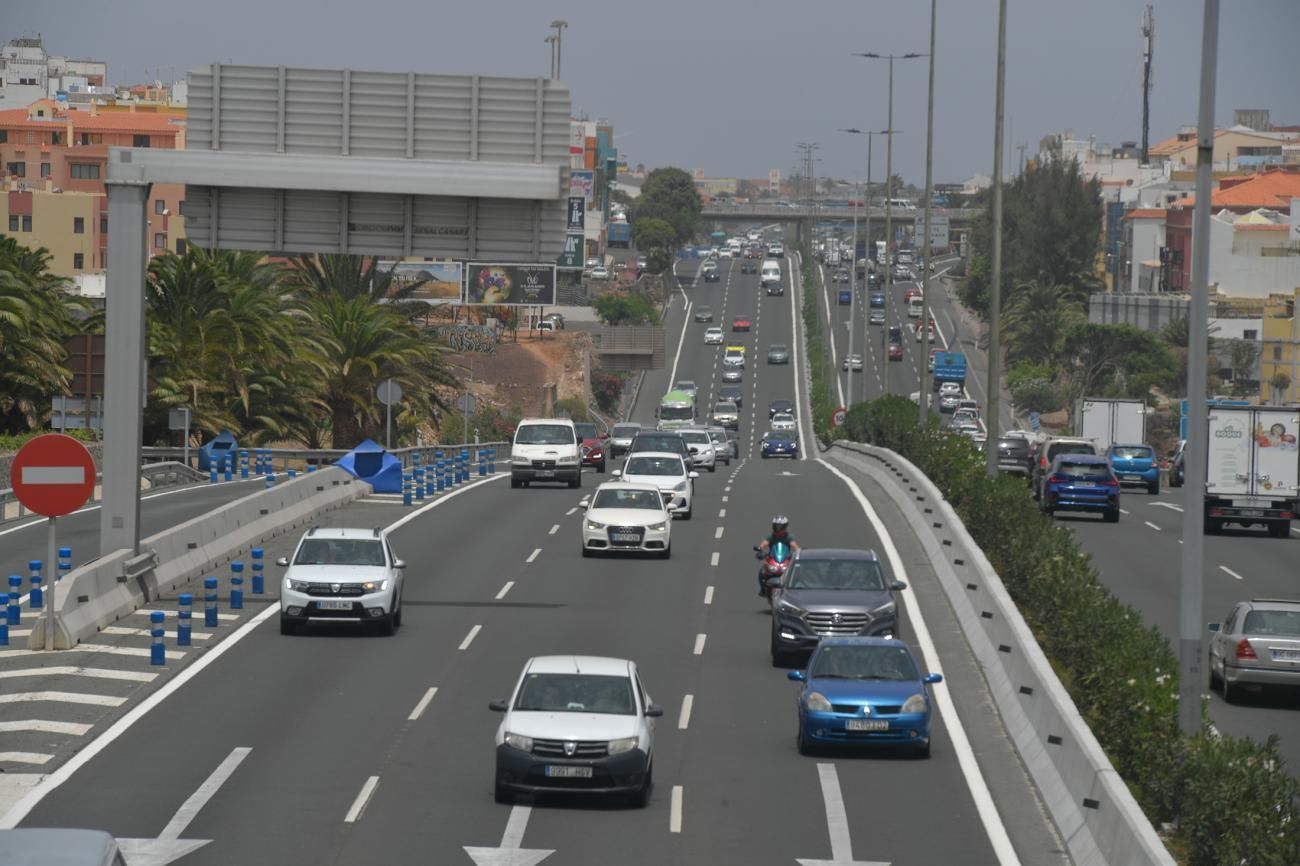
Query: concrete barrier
103, 591
1093, 809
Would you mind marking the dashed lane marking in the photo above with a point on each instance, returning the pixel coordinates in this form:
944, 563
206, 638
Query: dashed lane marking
1230, 573
469, 638
708, 595
532, 556
718, 532
505, 589
554, 529
713, 560
1153, 526
363, 798
684, 717
699, 643
422, 705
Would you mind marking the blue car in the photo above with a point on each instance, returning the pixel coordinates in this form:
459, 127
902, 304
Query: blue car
877, 299
779, 444
863, 691
1135, 466
1081, 482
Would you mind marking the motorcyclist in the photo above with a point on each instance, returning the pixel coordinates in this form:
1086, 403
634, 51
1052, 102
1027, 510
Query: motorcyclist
780, 533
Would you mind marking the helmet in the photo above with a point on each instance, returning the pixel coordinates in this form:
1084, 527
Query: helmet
780, 523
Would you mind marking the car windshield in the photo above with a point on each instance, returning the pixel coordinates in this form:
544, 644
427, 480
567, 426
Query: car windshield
1084, 470
653, 442
703, 311
725, 408
669, 466
544, 434
340, 551
586, 430
1279, 623
1129, 452
1020, 446
676, 413
624, 431
864, 663
777, 347
783, 418
576, 693
781, 406
684, 385
1059, 448
695, 436
628, 498
860, 574
728, 392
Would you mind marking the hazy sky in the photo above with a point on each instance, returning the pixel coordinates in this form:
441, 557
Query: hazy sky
732, 86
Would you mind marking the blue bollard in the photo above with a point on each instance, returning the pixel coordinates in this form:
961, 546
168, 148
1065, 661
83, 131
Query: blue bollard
419, 483
464, 465
228, 468
65, 561
4, 633
243, 464
236, 585
266, 461
270, 479
14, 613
184, 619
482, 463
157, 652
311, 467
212, 473
259, 579
492, 461
437, 475
406, 488
210, 602
36, 598
292, 473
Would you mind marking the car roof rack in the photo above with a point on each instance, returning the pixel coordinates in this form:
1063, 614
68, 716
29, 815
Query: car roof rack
312, 531
1275, 600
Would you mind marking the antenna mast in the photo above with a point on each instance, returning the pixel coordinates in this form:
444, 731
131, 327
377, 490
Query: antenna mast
1148, 38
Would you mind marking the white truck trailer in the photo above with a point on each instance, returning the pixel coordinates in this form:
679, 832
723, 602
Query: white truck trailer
1112, 422
1253, 468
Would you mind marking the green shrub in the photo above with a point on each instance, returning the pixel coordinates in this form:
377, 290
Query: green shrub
10, 442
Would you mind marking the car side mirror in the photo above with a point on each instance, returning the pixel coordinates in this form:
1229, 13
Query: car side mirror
283, 562
617, 473
1214, 626
797, 676
692, 475
897, 585
399, 563
654, 711
933, 678
497, 706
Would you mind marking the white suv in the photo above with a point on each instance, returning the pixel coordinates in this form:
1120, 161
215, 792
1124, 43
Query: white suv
576, 723
342, 575
545, 449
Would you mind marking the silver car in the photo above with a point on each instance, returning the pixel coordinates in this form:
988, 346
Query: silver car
783, 422
1258, 644
721, 444
726, 415
620, 438
876, 317
852, 362
700, 443
733, 374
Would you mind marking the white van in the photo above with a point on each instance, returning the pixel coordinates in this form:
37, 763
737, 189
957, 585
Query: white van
914, 307
769, 276
545, 449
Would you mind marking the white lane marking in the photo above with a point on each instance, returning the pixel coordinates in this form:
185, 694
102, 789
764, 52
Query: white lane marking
1168, 505
837, 817
554, 529
445, 497
123, 631
713, 560
571, 511
718, 532
422, 705
681, 340
984, 805
505, 589
74, 671
726, 498
63, 698
684, 717
24, 758
1123, 511
1230, 572
1153, 526
363, 797
532, 556
44, 726
192, 806
675, 811
830, 328
708, 595
137, 652
516, 824
699, 643
469, 638
722, 513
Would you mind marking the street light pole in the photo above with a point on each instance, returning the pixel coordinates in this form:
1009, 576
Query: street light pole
559, 26
995, 283
551, 40
866, 212
923, 392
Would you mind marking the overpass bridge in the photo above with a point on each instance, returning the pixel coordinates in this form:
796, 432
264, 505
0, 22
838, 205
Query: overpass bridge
801, 215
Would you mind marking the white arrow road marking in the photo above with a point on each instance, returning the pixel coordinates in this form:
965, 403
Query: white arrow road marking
169, 845
837, 822
509, 853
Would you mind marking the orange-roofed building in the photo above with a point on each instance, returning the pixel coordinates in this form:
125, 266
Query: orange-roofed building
1273, 188
1233, 148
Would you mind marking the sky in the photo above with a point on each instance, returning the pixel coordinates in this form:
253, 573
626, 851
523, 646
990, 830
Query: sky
732, 86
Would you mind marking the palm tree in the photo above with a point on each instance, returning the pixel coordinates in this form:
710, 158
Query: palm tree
1037, 320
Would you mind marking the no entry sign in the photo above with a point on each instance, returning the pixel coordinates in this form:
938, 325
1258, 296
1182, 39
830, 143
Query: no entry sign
53, 475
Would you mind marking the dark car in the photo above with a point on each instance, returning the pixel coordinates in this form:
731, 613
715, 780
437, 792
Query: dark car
895, 334
712, 275
661, 441
1014, 457
731, 394
1177, 471
877, 300
779, 443
595, 447
749, 265
777, 407
895, 351
1081, 482
620, 438
703, 314
778, 353
831, 592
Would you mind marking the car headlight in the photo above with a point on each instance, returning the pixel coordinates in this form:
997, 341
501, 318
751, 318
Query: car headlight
886, 609
520, 742
375, 585
592, 524
817, 702
626, 744
297, 585
915, 704
681, 488
787, 607
521, 461
659, 527
566, 461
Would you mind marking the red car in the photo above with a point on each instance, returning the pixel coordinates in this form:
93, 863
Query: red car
912, 292
740, 323
895, 352
595, 445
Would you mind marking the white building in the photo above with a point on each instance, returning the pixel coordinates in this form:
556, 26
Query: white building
1252, 255
28, 74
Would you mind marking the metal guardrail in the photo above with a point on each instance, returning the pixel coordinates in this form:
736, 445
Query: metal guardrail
284, 459
167, 473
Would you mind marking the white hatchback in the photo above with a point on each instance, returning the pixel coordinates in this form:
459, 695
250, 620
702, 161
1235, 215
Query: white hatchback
783, 422
713, 337
627, 517
668, 472
342, 575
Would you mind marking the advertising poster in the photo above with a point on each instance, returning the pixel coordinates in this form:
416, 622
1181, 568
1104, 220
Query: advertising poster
435, 282
511, 284
581, 183
577, 213
571, 258
1275, 439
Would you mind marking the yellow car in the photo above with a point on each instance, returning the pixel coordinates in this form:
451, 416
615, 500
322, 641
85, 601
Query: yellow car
735, 350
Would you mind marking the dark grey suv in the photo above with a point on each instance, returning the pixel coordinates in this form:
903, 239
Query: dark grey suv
1015, 455
831, 592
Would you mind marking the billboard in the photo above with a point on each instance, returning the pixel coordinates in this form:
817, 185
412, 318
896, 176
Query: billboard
572, 257
582, 182
939, 231
510, 284
435, 282
577, 213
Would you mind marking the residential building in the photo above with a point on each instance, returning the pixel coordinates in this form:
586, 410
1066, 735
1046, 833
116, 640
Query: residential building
1144, 238
1279, 362
1236, 148
67, 224
28, 73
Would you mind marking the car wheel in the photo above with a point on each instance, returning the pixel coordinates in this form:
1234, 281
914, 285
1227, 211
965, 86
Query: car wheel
713, 467
1112, 516
586, 552
515, 483
686, 515
806, 746
1154, 488
600, 467
288, 626
1280, 529
577, 482
923, 750
397, 614
1216, 681
1212, 526
641, 798
1230, 691
502, 794
666, 553
387, 625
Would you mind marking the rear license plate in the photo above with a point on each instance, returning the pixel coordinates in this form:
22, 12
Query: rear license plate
1286, 655
545, 473
333, 604
628, 537
1085, 484
554, 772
1251, 512
867, 725
1132, 477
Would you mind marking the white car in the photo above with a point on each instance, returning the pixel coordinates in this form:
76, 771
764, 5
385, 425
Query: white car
920, 335
950, 388
600, 272
853, 361
342, 575
713, 336
687, 385
725, 253
783, 422
668, 472
700, 442
545, 449
576, 723
627, 517
732, 358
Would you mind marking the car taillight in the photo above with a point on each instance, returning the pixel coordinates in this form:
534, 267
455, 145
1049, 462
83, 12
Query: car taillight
1042, 462
1245, 650
1053, 479
1110, 482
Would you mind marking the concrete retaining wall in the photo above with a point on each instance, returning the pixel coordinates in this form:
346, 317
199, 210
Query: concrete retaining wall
103, 591
1092, 807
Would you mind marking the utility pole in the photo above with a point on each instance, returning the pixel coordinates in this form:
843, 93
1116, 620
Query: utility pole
551, 40
1021, 148
558, 25
923, 392
1148, 43
995, 283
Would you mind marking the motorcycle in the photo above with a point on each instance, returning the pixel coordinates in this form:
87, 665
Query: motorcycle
775, 562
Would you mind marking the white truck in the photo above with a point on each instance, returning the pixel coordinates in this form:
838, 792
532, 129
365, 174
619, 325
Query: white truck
1112, 422
1253, 468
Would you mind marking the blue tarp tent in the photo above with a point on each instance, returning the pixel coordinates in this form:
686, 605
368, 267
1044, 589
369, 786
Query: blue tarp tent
370, 463
220, 451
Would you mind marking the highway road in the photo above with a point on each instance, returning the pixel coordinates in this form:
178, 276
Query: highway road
334, 747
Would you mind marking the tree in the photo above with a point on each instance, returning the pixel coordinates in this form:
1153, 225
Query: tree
1280, 382
656, 238
1036, 321
1114, 360
1034, 387
625, 308
669, 194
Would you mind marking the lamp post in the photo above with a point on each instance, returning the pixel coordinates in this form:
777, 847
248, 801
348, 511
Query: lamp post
559, 26
995, 281
923, 393
552, 40
889, 159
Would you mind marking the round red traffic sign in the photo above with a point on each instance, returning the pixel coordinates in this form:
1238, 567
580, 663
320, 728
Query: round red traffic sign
838, 419
53, 475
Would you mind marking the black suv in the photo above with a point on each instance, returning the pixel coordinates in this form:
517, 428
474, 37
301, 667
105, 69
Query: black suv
1014, 455
659, 440
778, 406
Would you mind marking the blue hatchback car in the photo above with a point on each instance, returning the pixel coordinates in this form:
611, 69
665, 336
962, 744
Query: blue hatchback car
1081, 482
877, 300
1135, 466
779, 444
861, 691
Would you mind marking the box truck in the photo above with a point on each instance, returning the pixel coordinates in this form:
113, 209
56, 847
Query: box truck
1252, 474
1112, 422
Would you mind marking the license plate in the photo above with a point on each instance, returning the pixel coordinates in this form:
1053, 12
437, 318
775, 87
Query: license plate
1286, 655
1085, 484
1251, 512
545, 473
333, 604
867, 725
554, 772
625, 536
1132, 477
